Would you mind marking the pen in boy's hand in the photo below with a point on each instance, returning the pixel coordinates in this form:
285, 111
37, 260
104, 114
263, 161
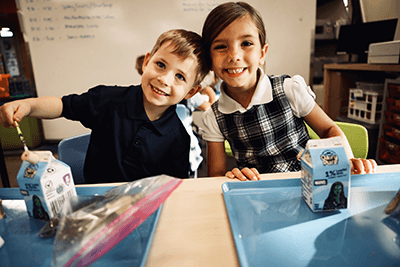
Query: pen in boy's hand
21, 136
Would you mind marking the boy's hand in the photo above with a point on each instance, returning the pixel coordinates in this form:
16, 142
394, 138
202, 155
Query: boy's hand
362, 166
13, 111
244, 175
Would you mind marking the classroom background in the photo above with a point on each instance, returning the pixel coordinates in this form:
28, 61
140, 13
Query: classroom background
60, 47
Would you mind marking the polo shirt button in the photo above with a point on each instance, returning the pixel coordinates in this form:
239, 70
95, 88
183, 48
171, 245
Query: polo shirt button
137, 142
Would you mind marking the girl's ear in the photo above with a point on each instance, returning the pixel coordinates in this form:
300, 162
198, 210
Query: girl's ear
146, 61
193, 91
263, 54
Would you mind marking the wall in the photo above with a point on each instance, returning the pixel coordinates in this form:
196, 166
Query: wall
76, 45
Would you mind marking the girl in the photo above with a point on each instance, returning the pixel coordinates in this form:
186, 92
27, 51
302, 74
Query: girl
261, 116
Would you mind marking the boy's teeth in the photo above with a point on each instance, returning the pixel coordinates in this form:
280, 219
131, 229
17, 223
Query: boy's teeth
159, 91
235, 71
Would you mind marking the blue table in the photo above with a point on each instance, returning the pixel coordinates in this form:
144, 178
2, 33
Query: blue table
23, 248
273, 226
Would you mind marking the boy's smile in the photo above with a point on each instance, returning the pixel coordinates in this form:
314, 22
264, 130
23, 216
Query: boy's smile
236, 54
167, 79
158, 91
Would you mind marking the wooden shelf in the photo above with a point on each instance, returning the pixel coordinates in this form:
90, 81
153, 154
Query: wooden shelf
364, 67
339, 78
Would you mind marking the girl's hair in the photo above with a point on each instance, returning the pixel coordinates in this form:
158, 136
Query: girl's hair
186, 44
223, 15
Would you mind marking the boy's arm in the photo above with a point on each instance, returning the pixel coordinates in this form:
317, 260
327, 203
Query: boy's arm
210, 93
48, 107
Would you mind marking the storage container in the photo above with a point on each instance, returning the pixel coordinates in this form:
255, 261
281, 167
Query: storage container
394, 90
365, 105
391, 132
392, 104
389, 152
370, 86
392, 118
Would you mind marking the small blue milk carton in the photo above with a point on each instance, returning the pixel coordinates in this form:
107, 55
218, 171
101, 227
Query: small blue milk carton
325, 175
45, 184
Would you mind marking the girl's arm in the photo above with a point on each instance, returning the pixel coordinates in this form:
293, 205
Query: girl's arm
48, 107
325, 127
216, 159
244, 175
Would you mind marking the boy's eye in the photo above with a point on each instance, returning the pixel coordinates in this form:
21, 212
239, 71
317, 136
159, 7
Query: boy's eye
247, 43
180, 77
161, 65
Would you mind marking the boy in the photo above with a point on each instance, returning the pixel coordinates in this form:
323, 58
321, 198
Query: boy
136, 132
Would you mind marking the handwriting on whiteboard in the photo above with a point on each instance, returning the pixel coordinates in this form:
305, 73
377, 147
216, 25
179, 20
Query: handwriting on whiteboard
199, 5
59, 21
48, 20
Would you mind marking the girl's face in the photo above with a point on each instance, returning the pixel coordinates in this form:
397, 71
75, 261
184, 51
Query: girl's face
236, 54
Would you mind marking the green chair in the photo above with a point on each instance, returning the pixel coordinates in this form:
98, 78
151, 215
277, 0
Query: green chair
356, 134
228, 149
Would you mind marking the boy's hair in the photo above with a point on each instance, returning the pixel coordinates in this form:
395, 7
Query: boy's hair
187, 43
223, 15
139, 64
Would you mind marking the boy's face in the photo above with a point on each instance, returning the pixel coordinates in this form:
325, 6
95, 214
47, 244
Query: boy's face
167, 78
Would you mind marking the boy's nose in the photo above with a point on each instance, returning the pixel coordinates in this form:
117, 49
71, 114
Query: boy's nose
165, 79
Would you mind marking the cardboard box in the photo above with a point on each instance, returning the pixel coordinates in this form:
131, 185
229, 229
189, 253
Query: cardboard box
325, 175
45, 185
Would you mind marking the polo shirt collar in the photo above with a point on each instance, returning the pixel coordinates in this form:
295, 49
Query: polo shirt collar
136, 112
262, 95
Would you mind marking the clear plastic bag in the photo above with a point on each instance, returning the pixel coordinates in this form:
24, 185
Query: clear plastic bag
90, 227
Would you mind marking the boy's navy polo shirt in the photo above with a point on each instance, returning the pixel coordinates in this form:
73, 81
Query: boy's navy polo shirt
125, 145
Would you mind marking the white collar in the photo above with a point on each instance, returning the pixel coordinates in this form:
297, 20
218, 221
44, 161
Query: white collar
262, 95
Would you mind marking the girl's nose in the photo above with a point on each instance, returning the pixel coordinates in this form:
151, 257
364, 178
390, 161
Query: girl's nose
234, 54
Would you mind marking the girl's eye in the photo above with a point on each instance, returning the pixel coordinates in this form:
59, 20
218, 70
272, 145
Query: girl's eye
180, 77
247, 43
218, 47
161, 65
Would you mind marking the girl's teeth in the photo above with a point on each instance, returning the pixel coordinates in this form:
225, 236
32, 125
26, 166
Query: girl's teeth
235, 71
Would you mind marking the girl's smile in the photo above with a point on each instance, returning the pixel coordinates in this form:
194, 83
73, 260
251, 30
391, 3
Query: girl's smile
235, 72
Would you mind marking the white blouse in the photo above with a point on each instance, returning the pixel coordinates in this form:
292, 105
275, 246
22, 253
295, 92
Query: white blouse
300, 96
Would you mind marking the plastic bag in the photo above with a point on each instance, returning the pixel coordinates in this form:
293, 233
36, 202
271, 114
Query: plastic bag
88, 228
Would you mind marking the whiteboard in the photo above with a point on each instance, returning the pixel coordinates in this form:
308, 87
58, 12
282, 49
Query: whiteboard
76, 45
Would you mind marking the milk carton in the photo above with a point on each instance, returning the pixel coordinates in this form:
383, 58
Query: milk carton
45, 183
325, 175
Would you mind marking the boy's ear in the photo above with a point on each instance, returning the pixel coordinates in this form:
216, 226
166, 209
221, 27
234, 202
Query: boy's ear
146, 60
263, 54
193, 91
